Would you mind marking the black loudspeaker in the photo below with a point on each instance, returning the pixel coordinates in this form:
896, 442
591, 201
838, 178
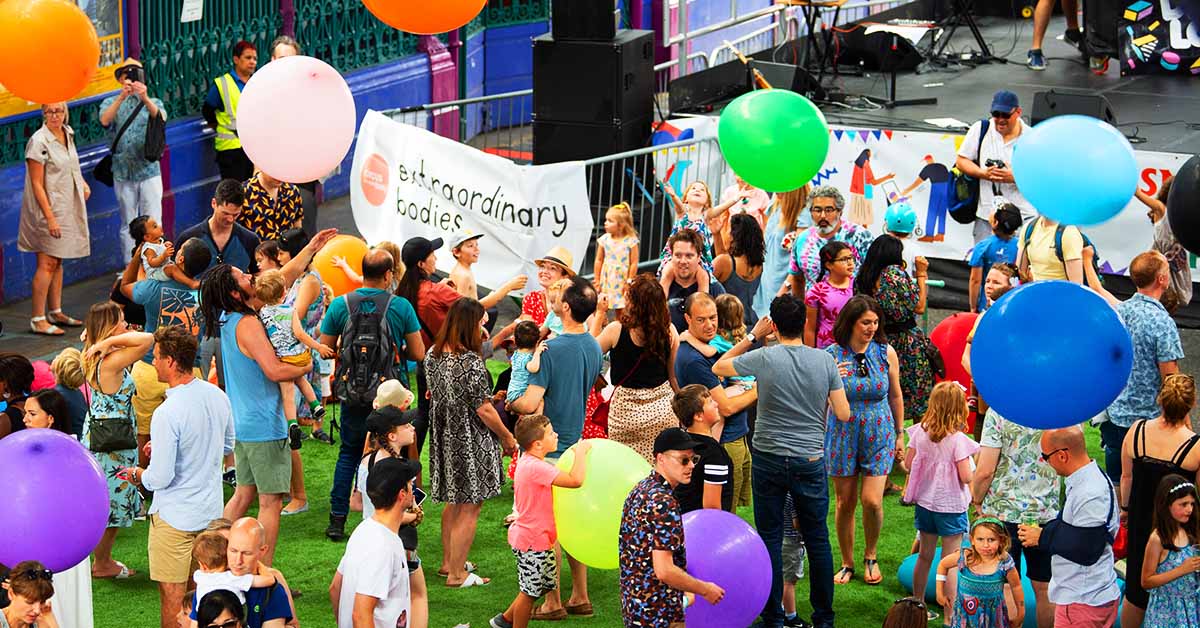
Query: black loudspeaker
555, 141
583, 19
592, 81
700, 91
794, 78
880, 51
1052, 103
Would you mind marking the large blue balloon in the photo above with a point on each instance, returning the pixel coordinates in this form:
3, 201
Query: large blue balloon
1051, 354
1077, 170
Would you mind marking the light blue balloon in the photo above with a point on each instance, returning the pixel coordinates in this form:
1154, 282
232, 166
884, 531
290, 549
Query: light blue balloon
1077, 170
1051, 354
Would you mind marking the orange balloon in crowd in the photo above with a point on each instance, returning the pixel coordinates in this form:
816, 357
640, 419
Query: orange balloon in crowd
48, 49
425, 18
348, 247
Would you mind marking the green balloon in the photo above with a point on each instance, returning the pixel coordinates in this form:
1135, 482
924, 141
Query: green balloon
775, 139
588, 518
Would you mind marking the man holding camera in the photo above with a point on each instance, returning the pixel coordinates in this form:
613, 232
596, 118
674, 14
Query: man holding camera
989, 159
137, 182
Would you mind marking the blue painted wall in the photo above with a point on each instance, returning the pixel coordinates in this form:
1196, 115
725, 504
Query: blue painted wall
508, 67
193, 175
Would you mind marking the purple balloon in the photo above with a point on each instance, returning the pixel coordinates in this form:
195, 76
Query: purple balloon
56, 499
724, 549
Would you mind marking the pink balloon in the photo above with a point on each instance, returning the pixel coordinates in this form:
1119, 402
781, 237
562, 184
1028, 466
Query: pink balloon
296, 119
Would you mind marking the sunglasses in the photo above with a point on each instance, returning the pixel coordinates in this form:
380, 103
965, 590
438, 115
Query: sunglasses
37, 574
1046, 455
861, 369
1002, 115
688, 461
911, 601
232, 623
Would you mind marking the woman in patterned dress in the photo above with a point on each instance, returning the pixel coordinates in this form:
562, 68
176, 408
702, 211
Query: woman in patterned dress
642, 345
465, 435
868, 444
902, 299
109, 352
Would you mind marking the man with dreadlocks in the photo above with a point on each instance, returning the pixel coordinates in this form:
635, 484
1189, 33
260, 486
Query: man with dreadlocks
252, 371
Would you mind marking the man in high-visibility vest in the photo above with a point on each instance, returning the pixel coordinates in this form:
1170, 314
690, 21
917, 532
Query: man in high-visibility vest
220, 111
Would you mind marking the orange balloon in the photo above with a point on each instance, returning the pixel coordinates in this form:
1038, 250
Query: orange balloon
425, 17
348, 247
48, 49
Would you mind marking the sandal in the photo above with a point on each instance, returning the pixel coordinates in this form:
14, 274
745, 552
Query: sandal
52, 330
57, 317
469, 566
472, 580
868, 564
844, 575
123, 574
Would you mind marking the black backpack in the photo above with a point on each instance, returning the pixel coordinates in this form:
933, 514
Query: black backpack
965, 204
368, 351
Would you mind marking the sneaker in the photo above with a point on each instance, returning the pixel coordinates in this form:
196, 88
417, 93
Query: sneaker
796, 622
1073, 36
230, 477
500, 622
1098, 65
337, 528
318, 411
1037, 60
295, 436
320, 435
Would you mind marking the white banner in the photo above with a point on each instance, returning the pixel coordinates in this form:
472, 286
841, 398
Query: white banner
901, 154
409, 182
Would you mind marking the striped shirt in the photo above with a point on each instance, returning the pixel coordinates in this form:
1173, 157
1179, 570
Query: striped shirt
714, 468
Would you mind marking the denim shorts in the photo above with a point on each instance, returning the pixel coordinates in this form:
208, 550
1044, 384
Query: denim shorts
940, 523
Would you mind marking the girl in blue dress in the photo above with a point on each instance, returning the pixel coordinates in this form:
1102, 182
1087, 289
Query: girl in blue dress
1170, 568
983, 570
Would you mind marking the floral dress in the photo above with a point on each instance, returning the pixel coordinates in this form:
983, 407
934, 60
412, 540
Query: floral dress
124, 501
616, 267
897, 295
867, 442
1174, 604
979, 601
699, 226
465, 465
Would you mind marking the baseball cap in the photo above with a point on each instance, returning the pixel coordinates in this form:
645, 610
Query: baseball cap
1004, 101
462, 237
418, 248
674, 439
390, 475
382, 420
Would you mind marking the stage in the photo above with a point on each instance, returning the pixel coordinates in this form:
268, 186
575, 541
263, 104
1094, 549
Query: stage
1152, 107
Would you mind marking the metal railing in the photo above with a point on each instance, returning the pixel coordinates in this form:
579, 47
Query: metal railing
634, 177
500, 124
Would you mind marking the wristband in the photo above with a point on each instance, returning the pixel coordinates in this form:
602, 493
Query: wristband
939, 578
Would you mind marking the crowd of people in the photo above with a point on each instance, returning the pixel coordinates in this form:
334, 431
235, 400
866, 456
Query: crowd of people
777, 346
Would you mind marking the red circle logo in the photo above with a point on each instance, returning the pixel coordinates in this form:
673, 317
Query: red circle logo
374, 179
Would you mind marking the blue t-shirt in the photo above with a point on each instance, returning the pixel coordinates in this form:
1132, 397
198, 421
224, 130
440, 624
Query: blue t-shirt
238, 252
401, 317
260, 608
76, 405
992, 250
691, 367
167, 303
520, 377
570, 366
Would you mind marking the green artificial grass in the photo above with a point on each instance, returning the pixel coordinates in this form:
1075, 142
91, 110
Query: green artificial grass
308, 561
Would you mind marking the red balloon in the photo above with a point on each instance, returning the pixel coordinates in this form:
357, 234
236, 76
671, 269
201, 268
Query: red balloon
950, 337
425, 18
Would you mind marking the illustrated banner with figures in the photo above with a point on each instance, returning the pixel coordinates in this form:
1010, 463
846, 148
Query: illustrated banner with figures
408, 182
896, 162
1158, 37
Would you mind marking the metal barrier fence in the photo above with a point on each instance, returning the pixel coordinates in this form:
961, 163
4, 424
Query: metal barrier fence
634, 177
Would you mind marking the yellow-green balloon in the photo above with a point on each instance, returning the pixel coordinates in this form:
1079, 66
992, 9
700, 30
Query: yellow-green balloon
775, 139
588, 518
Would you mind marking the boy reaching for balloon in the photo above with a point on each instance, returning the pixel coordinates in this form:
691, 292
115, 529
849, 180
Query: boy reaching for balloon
533, 534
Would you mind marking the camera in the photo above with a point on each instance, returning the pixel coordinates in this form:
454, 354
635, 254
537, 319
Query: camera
996, 163
133, 73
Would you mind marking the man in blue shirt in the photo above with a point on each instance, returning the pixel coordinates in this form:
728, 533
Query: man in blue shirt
192, 432
404, 327
269, 607
1156, 354
227, 241
692, 367
570, 366
220, 111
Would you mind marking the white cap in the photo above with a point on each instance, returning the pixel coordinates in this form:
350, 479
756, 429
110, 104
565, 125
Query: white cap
460, 238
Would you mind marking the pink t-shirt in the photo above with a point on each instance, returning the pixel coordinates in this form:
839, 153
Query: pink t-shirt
534, 528
828, 301
933, 480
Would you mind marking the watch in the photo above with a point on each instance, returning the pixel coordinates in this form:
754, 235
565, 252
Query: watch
750, 337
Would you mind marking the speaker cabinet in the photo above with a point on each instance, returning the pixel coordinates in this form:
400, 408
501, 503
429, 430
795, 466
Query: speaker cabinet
555, 141
594, 82
594, 20
1052, 103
